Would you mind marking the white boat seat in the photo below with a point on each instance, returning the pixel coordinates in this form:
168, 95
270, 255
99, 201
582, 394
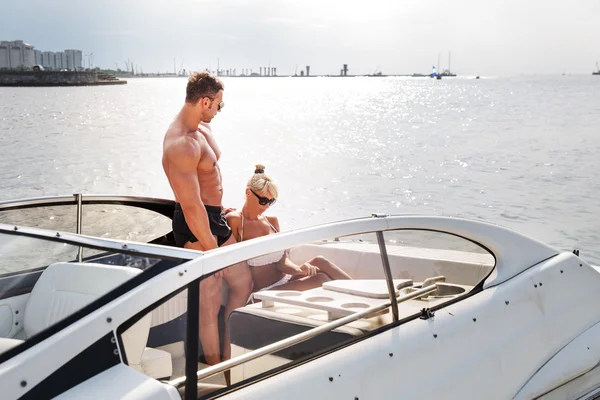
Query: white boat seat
8, 343
64, 288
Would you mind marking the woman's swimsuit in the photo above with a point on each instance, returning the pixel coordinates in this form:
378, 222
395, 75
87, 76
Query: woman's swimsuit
266, 259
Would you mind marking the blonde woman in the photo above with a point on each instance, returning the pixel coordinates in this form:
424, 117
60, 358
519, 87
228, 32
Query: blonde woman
275, 270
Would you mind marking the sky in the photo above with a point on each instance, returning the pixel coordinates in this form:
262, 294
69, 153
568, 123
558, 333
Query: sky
508, 37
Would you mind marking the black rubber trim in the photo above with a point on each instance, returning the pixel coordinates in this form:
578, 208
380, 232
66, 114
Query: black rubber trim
97, 358
19, 284
191, 346
163, 209
137, 280
172, 331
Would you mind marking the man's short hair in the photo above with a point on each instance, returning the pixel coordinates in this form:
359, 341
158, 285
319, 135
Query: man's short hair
200, 85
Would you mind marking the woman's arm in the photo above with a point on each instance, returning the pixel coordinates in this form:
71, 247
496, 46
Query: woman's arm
233, 220
286, 266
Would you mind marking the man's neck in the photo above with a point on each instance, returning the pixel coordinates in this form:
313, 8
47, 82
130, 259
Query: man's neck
190, 117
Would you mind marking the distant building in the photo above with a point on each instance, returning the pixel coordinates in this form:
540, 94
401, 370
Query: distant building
28, 56
18, 54
74, 59
61, 60
38, 57
4, 55
48, 60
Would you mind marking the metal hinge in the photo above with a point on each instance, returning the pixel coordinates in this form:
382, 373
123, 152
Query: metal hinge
426, 313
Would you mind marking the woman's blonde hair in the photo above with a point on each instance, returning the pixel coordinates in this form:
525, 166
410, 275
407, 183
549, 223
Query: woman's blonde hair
260, 182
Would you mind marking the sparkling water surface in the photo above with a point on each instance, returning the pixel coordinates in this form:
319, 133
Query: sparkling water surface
521, 152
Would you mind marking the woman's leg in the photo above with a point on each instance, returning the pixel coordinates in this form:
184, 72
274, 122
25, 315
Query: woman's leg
328, 268
308, 282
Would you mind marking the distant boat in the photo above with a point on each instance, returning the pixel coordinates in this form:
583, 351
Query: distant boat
447, 71
598, 70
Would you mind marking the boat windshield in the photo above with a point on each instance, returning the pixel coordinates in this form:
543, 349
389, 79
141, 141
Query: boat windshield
119, 218
45, 281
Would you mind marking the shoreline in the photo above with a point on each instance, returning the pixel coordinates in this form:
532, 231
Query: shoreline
57, 78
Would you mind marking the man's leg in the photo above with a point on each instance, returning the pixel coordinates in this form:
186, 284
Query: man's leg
210, 303
240, 283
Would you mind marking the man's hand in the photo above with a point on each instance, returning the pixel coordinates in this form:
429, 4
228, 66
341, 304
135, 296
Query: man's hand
308, 269
228, 210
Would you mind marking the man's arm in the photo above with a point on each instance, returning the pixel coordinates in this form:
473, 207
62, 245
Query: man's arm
183, 161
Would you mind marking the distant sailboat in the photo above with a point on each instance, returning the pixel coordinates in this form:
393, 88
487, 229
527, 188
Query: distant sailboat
598, 70
448, 72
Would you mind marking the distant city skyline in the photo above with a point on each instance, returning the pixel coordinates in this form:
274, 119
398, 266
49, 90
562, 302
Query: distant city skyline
16, 54
509, 38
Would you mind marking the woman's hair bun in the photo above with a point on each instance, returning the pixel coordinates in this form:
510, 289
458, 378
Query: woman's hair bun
260, 169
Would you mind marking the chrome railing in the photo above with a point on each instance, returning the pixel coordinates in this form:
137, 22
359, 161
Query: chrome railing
301, 337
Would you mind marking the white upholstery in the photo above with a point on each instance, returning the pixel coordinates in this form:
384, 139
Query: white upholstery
156, 363
64, 288
7, 343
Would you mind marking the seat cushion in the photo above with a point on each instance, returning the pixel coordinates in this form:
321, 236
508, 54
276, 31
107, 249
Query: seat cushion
156, 363
64, 288
8, 343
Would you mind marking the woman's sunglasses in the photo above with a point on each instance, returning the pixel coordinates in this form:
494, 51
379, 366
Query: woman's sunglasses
263, 201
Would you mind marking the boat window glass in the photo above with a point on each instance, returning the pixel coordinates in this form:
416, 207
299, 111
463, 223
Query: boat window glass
62, 218
121, 222
22, 253
289, 301
42, 277
419, 254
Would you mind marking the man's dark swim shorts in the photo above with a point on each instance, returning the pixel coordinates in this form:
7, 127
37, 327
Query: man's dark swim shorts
216, 219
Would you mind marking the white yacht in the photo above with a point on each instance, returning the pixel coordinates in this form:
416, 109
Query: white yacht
95, 302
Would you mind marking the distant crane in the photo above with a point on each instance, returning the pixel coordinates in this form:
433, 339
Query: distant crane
376, 70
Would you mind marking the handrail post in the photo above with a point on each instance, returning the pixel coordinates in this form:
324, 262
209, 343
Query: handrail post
388, 274
191, 344
78, 198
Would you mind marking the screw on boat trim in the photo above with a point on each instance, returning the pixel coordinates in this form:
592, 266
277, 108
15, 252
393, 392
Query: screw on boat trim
23, 383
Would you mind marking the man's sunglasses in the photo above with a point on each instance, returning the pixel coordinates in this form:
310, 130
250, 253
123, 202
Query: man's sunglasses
263, 201
220, 105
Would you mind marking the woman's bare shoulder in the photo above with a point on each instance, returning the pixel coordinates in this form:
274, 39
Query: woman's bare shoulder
273, 220
233, 217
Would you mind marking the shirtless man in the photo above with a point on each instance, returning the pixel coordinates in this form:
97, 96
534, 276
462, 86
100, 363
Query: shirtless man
190, 155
